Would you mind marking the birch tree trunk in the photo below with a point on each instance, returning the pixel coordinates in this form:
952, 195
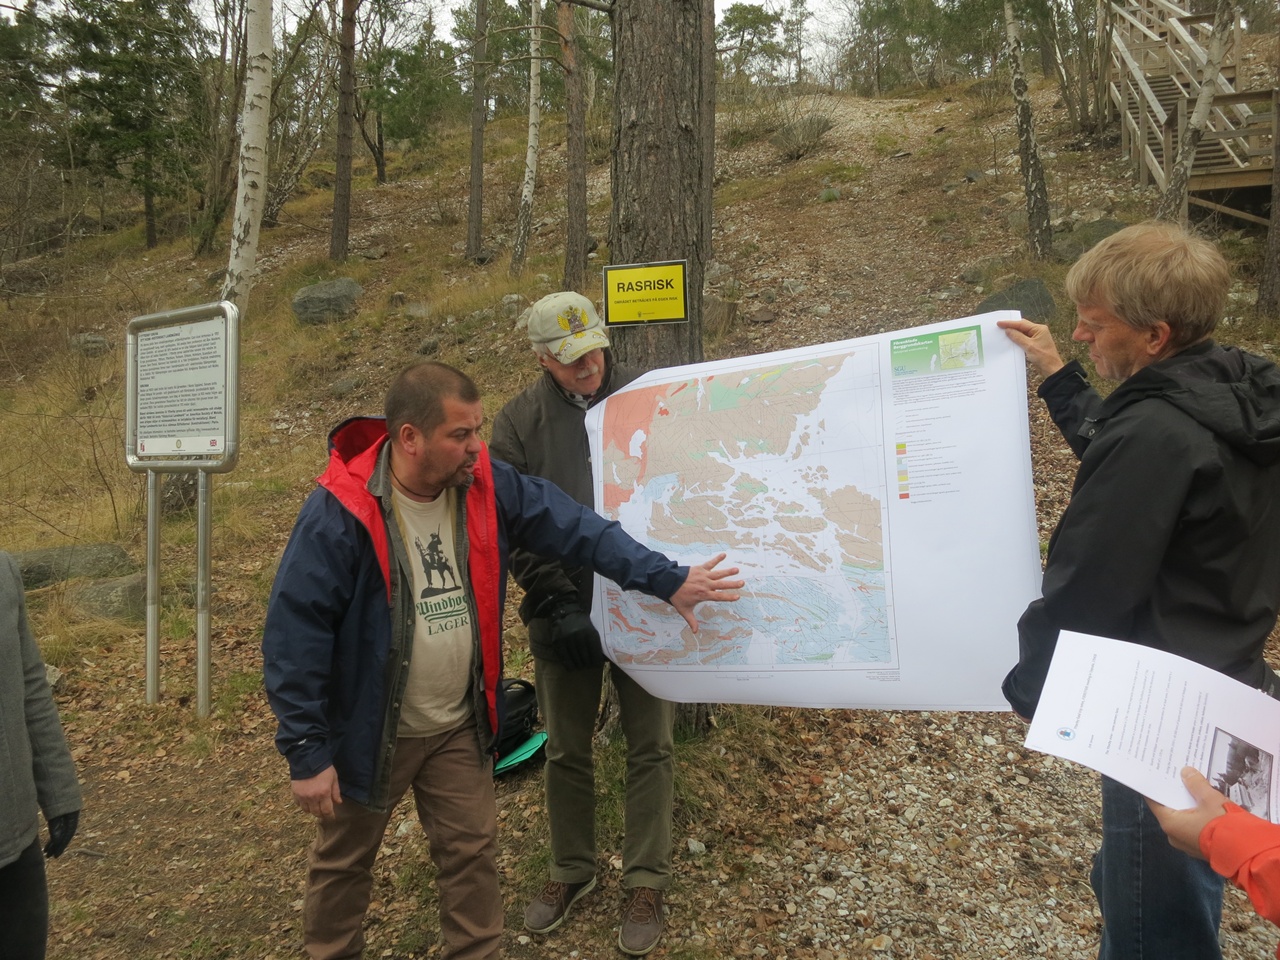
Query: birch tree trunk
479, 113
251, 187
525, 217
1039, 232
575, 147
1173, 202
339, 234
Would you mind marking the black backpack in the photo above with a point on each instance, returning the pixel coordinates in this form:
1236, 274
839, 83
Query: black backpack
519, 746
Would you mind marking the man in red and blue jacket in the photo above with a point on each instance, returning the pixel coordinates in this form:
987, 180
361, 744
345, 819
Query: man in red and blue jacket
345, 622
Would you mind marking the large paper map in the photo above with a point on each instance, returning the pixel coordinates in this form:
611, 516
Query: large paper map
794, 464
728, 462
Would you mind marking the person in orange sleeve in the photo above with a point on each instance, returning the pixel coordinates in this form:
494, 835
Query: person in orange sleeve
1242, 847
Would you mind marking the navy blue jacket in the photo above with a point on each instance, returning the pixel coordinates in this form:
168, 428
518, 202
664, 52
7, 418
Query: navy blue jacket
339, 630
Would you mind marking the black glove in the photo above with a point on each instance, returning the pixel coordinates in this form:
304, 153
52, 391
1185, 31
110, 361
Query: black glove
61, 830
573, 637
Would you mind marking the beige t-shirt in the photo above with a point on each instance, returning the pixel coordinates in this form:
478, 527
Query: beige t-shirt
438, 695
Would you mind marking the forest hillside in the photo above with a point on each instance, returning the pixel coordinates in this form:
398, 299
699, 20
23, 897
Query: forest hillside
800, 834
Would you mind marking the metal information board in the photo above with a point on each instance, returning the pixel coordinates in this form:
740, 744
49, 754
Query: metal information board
182, 415
182, 377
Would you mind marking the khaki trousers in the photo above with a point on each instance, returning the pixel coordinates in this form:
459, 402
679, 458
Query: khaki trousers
453, 789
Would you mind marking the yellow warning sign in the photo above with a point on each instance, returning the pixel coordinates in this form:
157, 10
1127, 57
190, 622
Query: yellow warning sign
645, 293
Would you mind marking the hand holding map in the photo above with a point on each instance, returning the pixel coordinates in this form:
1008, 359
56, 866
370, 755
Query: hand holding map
705, 582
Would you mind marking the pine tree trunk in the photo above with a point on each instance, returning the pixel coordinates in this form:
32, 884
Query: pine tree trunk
1173, 202
479, 111
251, 187
708, 127
380, 154
661, 176
149, 211
1269, 286
524, 218
575, 146
339, 245
1039, 230
657, 171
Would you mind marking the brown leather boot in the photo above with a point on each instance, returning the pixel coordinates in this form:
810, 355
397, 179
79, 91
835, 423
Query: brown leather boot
550, 907
641, 922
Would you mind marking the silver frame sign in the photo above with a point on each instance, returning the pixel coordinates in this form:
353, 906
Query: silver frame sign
182, 375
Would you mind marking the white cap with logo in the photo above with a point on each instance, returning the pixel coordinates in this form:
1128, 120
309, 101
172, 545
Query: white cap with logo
568, 324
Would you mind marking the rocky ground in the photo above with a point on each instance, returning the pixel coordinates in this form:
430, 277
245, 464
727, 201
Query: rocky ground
800, 834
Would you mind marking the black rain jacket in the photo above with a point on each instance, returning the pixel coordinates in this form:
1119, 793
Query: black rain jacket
1172, 535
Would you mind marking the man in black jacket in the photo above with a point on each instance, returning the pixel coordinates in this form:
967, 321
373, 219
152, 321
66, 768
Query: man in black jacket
1172, 535
541, 432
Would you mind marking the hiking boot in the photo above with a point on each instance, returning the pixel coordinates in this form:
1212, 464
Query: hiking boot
550, 908
641, 922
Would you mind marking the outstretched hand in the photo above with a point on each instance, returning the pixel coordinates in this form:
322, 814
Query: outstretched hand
1184, 826
705, 582
1036, 342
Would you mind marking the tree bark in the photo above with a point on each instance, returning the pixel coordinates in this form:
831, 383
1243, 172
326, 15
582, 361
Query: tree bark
1173, 202
661, 176
149, 209
575, 146
1039, 231
708, 128
657, 169
251, 187
1269, 285
479, 112
339, 245
524, 219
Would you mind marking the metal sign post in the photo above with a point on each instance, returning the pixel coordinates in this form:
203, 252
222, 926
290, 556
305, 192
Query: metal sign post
182, 373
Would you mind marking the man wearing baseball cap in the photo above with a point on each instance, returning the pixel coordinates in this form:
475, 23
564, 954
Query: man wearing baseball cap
541, 432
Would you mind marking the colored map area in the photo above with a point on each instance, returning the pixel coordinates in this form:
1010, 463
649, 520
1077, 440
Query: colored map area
779, 465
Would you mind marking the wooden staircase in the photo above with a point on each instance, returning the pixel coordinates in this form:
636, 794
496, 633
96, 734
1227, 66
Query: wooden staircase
1157, 59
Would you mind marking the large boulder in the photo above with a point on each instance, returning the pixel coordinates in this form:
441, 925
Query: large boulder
326, 302
1030, 297
1068, 246
40, 568
120, 598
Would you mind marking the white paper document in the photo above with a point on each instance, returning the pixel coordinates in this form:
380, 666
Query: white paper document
876, 495
1140, 715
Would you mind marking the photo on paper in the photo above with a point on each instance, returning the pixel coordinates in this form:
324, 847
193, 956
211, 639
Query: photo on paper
1242, 772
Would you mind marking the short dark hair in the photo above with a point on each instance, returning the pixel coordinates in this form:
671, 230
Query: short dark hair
417, 395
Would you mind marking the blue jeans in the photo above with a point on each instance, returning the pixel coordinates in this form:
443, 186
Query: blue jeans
1157, 903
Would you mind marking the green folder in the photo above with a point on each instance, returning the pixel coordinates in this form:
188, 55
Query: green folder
522, 753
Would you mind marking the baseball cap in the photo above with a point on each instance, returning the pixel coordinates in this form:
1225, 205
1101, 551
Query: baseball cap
568, 324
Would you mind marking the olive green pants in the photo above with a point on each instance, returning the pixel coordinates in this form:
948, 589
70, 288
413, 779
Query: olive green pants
569, 701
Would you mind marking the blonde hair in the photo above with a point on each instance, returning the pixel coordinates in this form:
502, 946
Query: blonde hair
1155, 271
